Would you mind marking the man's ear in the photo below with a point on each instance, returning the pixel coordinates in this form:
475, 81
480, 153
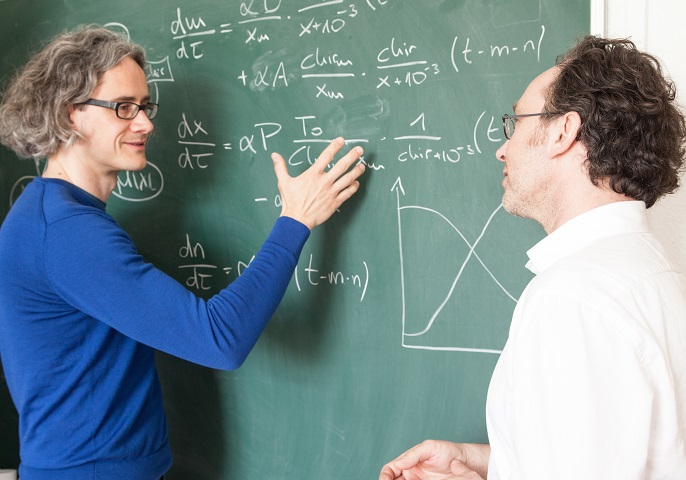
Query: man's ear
565, 130
72, 112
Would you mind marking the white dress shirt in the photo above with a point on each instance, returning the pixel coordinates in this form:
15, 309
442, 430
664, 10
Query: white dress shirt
592, 381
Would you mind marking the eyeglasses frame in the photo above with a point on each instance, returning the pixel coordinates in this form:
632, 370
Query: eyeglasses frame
149, 108
507, 117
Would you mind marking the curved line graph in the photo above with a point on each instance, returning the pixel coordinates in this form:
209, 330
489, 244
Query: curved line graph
464, 263
470, 255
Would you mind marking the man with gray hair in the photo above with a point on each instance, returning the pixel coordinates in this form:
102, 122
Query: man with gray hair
81, 312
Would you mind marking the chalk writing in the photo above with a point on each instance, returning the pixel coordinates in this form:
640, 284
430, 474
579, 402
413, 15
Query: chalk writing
199, 272
266, 131
435, 313
469, 54
449, 155
420, 87
316, 277
159, 71
327, 25
140, 186
268, 72
403, 56
191, 137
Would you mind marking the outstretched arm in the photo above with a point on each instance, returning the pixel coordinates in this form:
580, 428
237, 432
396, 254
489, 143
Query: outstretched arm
313, 196
439, 460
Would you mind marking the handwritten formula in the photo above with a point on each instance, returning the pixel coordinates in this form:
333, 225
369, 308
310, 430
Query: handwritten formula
422, 90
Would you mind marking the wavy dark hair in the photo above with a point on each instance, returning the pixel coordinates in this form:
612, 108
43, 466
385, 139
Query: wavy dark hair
632, 128
34, 112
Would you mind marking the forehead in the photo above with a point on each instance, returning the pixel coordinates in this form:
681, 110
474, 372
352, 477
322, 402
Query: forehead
124, 80
533, 98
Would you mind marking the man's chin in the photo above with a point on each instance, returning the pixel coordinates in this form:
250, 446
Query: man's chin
513, 208
142, 163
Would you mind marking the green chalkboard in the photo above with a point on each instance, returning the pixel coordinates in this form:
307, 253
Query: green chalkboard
400, 304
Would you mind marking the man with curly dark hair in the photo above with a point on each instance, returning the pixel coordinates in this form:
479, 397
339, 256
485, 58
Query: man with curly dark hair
592, 381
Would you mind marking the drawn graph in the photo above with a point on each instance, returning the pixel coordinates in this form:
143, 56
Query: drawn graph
457, 314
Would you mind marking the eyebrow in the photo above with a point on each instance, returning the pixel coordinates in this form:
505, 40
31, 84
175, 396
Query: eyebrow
145, 99
514, 107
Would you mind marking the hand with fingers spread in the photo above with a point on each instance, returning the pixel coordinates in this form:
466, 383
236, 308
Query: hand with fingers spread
313, 196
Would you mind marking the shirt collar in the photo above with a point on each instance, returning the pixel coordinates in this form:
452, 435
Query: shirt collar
611, 219
79, 194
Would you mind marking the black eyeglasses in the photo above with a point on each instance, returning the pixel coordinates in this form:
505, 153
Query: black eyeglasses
125, 110
510, 120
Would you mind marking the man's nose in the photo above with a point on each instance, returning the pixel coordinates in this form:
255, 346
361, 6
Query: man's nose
141, 122
500, 153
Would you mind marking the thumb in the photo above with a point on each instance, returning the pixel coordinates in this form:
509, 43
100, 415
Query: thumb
460, 471
280, 168
458, 468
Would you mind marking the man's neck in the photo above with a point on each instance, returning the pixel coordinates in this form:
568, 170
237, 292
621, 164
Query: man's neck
581, 202
72, 169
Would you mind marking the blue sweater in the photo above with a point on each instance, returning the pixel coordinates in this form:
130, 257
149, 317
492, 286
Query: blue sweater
81, 314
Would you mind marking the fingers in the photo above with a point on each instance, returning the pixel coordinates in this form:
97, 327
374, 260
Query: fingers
407, 460
344, 164
349, 180
323, 161
462, 472
346, 193
341, 165
390, 471
280, 168
387, 474
314, 195
346, 183
328, 154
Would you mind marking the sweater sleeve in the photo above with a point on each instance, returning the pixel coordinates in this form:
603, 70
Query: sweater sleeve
94, 266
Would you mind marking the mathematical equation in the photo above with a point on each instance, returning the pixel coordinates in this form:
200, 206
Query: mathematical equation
200, 274
322, 74
398, 62
316, 277
259, 141
403, 60
198, 149
191, 30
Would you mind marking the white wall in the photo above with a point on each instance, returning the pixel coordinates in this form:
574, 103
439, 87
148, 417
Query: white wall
658, 27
